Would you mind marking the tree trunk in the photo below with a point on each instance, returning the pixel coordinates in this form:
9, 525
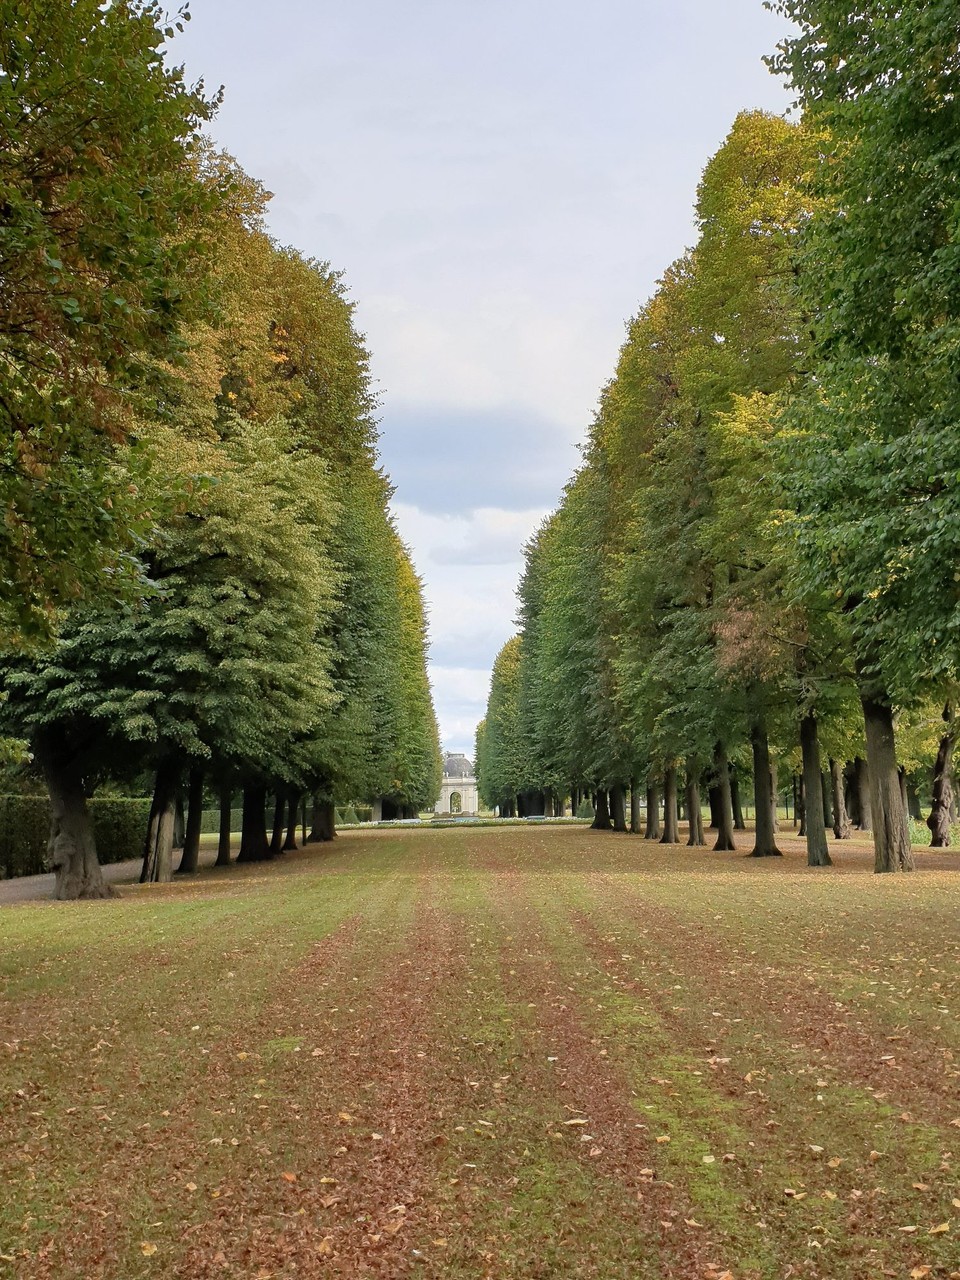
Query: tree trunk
891, 834
179, 821
817, 853
158, 851
327, 826
862, 782
774, 797
254, 846
226, 822
841, 822
652, 831
734, 784
939, 820
602, 820
295, 800
190, 858
725, 828
71, 847
826, 791
765, 845
713, 795
671, 833
618, 807
694, 815
635, 807
279, 813
315, 818
802, 807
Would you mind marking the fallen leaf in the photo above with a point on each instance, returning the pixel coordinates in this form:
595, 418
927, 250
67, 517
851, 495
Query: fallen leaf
567, 1122
328, 1182
148, 1249
919, 1272
191, 1186
664, 1137
835, 1163
940, 1230
441, 1243
325, 1247
289, 1177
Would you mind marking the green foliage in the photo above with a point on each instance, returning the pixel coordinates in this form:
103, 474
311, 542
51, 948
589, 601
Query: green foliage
875, 445
226, 656
100, 272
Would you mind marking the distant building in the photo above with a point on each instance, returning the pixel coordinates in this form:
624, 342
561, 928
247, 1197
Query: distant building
458, 791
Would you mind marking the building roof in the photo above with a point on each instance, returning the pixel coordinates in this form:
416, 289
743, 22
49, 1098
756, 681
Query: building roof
457, 765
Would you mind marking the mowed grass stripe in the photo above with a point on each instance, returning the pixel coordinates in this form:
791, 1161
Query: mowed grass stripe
414, 985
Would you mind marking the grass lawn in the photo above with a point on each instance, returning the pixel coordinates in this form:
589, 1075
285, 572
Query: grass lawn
500, 1052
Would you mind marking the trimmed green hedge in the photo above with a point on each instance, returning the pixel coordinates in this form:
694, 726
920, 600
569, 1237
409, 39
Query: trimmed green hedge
119, 824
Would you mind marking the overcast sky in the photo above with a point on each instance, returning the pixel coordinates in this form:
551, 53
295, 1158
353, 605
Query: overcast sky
501, 184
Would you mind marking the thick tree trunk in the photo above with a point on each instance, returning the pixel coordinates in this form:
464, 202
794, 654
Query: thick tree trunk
725, 828
652, 831
694, 814
618, 807
574, 801
279, 813
315, 816
765, 845
190, 858
939, 820
158, 851
602, 820
671, 832
713, 795
71, 847
295, 801
636, 821
327, 825
738, 822
826, 792
802, 807
817, 853
226, 822
891, 833
841, 821
254, 846
862, 783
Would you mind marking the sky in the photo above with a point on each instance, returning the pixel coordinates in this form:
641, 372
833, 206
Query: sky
501, 184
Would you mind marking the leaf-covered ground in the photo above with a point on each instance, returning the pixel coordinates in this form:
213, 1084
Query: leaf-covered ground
487, 1053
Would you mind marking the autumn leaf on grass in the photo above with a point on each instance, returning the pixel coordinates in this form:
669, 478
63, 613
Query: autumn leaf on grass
939, 1230
919, 1272
289, 1177
148, 1249
325, 1247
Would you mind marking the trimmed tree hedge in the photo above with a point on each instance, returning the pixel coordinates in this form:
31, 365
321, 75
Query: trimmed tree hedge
119, 824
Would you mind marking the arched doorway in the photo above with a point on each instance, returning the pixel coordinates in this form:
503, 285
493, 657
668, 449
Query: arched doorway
456, 802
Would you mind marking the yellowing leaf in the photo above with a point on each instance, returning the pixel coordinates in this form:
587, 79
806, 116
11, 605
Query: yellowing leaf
148, 1249
939, 1230
664, 1137
289, 1177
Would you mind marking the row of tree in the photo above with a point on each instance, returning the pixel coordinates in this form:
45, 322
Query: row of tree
202, 577
758, 559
